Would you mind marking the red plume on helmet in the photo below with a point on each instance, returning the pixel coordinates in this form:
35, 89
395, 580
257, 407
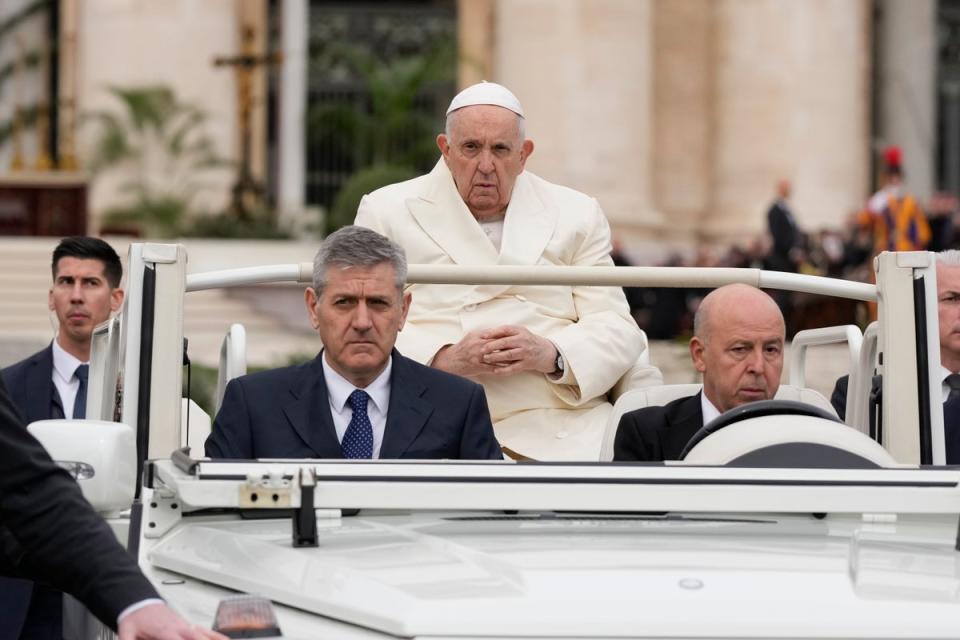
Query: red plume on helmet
892, 157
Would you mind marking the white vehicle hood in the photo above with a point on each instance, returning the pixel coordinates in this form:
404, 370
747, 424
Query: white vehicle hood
473, 575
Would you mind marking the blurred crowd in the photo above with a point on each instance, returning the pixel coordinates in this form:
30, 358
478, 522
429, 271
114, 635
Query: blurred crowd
667, 313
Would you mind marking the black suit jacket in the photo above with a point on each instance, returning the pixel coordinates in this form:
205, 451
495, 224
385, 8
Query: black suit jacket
784, 230
951, 416
951, 430
654, 434
30, 385
839, 396
785, 234
50, 533
285, 413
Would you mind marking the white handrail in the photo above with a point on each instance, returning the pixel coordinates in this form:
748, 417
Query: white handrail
233, 360
815, 337
861, 380
246, 275
557, 275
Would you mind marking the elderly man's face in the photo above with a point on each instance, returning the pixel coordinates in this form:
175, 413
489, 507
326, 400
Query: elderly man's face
358, 315
948, 297
741, 357
485, 154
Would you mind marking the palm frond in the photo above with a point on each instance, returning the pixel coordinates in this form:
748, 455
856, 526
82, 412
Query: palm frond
29, 10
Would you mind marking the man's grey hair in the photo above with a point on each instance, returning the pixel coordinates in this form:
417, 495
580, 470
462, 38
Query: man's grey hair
451, 119
354, 246
949, 258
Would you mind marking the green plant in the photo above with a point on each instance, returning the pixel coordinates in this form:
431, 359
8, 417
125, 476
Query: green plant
25, 62
159, 145
393, 130
390, 136
226, 225
344, 208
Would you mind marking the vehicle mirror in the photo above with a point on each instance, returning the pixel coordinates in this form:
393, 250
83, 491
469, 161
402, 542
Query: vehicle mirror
100, 455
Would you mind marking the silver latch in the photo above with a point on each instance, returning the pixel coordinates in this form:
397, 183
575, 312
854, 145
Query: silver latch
271, 491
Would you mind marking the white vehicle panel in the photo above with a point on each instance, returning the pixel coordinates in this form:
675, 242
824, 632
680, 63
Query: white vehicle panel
592, 576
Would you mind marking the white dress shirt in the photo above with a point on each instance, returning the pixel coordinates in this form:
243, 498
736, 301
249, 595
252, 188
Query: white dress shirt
494, 231
709, 411
944, 387
67, 384
338, 394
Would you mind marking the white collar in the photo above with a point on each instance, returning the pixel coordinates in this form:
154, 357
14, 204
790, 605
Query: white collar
706, 407
339, 388
64, 363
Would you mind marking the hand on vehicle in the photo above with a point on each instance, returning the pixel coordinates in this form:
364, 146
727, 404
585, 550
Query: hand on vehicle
159, 622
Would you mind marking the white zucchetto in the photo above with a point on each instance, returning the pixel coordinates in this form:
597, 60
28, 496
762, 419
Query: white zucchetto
486, 93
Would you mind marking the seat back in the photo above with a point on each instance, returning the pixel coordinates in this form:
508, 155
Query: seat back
639, 399
659, 396
233, 360
196, 426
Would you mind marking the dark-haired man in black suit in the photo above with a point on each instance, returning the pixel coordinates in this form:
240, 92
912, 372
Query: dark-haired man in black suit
359, 398
52, 384
738, 346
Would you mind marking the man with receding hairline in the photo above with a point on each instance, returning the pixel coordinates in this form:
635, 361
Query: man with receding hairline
547, 356
738, 346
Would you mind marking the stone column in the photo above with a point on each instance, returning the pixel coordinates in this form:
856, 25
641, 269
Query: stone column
291, 173
791, 101
583, 71
683, 90
475, 39
129, 43
907, 61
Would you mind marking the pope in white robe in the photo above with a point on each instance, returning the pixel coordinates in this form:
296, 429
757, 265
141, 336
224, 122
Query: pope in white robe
547, 356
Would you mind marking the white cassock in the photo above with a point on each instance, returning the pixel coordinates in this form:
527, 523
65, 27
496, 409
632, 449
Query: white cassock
545, 224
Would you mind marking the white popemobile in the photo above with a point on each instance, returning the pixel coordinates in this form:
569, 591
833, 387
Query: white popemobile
784, 523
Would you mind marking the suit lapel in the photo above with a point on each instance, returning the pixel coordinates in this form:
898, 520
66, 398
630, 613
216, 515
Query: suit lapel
442, 215
528, 225
689, 414
39, 376
683, 422
408, 411
308, 411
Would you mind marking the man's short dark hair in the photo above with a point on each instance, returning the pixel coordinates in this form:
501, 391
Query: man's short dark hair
89, 248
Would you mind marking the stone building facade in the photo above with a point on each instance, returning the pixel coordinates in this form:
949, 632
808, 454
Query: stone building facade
678, 115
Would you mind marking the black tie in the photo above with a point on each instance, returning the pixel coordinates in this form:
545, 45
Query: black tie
953, 381
80, 402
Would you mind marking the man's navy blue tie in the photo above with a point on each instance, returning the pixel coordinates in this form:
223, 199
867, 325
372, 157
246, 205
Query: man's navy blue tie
953, 381
80, 402
358, 438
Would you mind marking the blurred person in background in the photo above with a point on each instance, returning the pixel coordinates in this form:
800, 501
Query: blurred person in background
896, 219
785, 254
